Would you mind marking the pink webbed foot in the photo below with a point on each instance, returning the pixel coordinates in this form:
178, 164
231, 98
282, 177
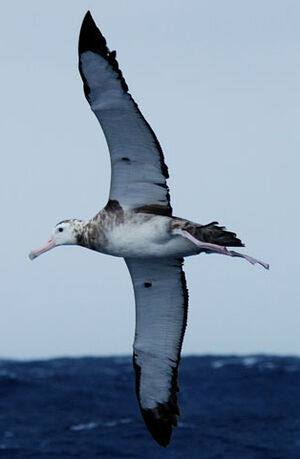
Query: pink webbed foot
220, 249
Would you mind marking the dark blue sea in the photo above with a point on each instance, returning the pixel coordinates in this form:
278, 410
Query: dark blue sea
231, 407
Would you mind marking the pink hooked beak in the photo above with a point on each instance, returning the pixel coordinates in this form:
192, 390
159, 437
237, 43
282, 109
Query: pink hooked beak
49, 245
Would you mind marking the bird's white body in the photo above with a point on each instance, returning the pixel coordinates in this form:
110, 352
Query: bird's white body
146, 236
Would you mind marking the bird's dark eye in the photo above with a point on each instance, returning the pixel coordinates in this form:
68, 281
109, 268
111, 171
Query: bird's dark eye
60, 230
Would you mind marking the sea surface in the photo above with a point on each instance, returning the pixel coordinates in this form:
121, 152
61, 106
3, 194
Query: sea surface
231, 407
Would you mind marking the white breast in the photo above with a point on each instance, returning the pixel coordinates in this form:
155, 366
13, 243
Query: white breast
146, 236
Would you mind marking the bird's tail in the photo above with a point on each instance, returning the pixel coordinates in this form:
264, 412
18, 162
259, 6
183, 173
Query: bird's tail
215, 234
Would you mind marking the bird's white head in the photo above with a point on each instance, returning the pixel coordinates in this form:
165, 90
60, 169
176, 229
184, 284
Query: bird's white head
64, 233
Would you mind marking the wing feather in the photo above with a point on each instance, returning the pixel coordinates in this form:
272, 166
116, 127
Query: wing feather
161, 313
139, 171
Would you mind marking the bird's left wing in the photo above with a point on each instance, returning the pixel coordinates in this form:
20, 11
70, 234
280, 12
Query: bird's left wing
138, 170
161, 312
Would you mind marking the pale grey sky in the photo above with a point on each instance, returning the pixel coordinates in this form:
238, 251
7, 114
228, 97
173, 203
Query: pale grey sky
219, 83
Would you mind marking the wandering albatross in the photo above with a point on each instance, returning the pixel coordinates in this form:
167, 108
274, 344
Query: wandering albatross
137, 224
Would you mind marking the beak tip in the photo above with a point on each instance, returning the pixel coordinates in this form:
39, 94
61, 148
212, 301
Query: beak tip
44, 248
32, 255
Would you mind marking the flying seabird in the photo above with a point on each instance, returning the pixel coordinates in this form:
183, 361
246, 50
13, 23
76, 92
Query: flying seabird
137, 224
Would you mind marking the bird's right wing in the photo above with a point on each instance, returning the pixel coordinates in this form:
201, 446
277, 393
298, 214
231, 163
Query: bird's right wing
161, 300
139, 172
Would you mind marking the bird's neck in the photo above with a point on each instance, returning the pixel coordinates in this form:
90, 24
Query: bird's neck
80, 232
89, 233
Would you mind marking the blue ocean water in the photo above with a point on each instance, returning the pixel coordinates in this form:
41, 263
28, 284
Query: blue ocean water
231, 407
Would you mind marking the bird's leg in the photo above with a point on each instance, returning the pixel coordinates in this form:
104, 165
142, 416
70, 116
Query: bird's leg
251, 260
219, 249
203, 245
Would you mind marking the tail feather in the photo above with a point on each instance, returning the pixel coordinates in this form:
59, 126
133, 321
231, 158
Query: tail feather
217, 235
212, 232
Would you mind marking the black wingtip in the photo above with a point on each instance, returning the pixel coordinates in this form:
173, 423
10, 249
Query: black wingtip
88, 21
160, 420
90, 37
159, 423
87, 16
